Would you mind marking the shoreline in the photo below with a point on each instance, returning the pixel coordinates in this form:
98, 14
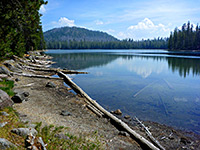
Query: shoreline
83, 120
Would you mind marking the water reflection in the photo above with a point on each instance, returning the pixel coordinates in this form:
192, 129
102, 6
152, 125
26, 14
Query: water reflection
80, 61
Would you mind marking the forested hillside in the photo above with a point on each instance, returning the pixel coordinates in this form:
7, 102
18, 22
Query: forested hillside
80, 38
76, 34
20, 27
187, 38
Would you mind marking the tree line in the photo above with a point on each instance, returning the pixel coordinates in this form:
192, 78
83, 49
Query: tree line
159, 43
20, 27
187, 38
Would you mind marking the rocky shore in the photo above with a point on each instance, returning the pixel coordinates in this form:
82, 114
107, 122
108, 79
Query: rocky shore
39, 97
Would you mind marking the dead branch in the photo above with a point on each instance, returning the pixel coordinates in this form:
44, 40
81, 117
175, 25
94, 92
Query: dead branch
150, 135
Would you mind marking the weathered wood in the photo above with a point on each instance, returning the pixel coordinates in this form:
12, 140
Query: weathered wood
55, 70
93, 109
150, 135
36, 76
168, 84
28, 63
162, 103
117, 121
144, 88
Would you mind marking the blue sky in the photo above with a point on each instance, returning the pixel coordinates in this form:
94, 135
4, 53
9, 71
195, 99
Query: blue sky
137, 19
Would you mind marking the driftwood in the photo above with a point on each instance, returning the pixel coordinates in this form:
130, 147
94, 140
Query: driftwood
150, 135
55, 70
162, 103
95, 110
144, 88
28, 63
168, 84
36, 76
117, 121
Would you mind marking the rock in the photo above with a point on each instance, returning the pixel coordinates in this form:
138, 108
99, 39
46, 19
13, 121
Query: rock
8, 61
184, 140
62, 136
4, 113
4, 70
3, 124
26, 94
65, 113
2, 76
17, 79
127, 117
24, 131
18, 98
117, 112
12, 67
51, 85
5, 144
1, 80
5, 100
123, 133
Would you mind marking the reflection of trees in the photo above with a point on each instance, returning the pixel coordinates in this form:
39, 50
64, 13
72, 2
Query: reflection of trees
184, 66
80, 61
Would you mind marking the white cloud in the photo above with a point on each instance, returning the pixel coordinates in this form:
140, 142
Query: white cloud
63, 21
42, 9
98, 22
147, 24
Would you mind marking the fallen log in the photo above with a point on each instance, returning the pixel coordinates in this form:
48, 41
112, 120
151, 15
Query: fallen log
144, 88
150, 135
168, 84
55, 70
117, 121
28, 63
36, 76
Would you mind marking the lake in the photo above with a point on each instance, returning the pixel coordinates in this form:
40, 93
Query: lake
153, 85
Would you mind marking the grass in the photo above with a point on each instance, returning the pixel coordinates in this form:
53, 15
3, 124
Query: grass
48, 135
7, 86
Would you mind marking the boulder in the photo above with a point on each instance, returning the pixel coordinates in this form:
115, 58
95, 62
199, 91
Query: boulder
4, 70
3, 76
18, 98
12, 67
5, 100
5, 144
24, 131
127, 117
51, 85
117, 112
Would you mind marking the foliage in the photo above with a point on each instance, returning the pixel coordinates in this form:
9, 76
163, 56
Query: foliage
20, 27
72, 142
185, 39
159, 43
7, 86
46, 132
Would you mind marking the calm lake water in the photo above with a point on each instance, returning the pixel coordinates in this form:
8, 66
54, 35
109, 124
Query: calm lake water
153, 85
